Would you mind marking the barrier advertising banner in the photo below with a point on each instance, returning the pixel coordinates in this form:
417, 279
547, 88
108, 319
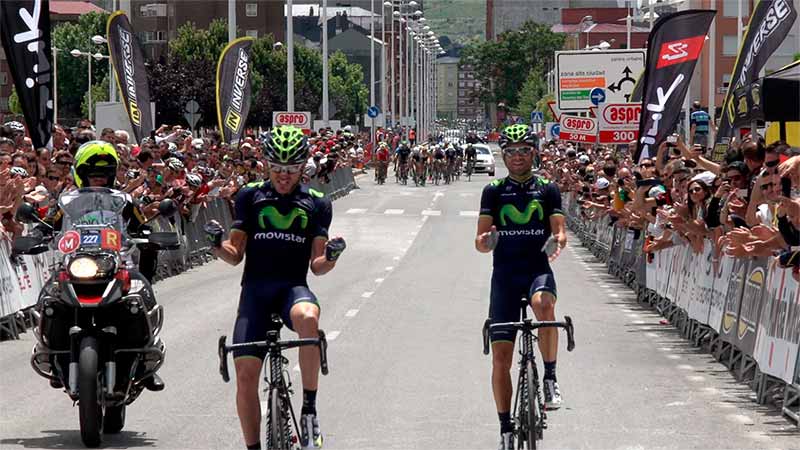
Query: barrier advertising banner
722, 273
778, 339
233, 88
128, 63
704, 285
583, 70
751, 305
769, 25
25, 32
733, 301
673, 47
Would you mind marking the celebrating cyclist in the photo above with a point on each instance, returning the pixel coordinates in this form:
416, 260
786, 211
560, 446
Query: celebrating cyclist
518, 214
281, 226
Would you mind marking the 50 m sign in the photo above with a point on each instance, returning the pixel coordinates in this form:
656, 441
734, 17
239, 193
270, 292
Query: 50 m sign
577, 129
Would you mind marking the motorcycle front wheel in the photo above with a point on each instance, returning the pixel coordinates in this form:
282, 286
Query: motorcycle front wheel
90, 405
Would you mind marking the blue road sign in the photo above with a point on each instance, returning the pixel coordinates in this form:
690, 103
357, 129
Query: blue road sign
555, 130
537, 117
373, 111
598, 95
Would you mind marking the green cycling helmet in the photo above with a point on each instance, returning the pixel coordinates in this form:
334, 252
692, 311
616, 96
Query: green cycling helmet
286, 144
95, 159
518, 134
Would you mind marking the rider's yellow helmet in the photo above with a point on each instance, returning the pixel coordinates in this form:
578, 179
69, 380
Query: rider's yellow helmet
95, 159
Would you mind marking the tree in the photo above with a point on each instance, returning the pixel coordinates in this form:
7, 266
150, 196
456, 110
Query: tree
99, 94
72, 72
542, 105
532, 91
503, 66
347, 88
192, 43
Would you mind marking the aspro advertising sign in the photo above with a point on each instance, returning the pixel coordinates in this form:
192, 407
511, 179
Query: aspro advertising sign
579, 72
300, 119
577, 129
619, 122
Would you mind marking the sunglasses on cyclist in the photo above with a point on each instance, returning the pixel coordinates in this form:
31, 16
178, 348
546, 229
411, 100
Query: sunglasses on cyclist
280, 168
523, 151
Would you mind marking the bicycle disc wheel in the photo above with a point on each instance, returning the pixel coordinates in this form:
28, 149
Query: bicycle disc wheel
533, 431
277, 438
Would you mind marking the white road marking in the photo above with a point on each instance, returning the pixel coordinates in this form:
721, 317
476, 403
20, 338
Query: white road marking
389, 268
367, 294
639, 322
351, 313
356, 211
467, 194
613, 295
684, 367
468, 213
396, 258
677, 404
424, 219
711, 391
379, 280
429, 212
394, 212
605, 286
332, 335
674, 356
696, 378
410, 241
739, 418
438, 194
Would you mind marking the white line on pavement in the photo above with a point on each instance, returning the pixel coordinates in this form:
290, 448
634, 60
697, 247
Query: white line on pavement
356, 211
613, 295
351, 313
468, 213
389, 268
367, 294
739, 418
639, 322
684, 367
674, 356
332, 335
396, 258
429, 212
379, 280
394, 212
696, 378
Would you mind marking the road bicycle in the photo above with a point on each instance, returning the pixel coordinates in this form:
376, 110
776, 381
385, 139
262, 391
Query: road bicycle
470, 168
282, 430
380, 173
530, 419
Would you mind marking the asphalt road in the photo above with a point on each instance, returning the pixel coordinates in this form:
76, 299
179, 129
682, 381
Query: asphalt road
403, 311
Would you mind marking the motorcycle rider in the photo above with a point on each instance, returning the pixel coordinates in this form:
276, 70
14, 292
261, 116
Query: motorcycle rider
96, 166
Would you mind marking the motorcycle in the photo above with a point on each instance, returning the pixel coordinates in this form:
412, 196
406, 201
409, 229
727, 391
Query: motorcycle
97, 319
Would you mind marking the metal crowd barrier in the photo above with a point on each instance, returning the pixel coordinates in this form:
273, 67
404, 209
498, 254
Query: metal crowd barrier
746, 312
22, 277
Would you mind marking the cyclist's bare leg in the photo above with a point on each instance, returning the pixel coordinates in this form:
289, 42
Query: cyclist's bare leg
502, 357
248, 369
305, 321
544, 308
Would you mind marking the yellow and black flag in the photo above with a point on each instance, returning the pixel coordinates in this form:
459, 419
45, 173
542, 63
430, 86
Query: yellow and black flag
233, 88
129, 71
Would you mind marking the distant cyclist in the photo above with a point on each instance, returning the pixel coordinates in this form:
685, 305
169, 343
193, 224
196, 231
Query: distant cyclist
470, 155
280, 229
518, 214
401, 159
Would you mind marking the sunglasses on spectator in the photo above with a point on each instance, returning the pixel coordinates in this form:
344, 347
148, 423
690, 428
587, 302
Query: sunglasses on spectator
523, 151
772, 163
279, 168
53, 178
647, 165
695, 190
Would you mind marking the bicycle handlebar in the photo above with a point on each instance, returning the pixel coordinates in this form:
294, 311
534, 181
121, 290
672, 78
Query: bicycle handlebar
223, 349
529, 325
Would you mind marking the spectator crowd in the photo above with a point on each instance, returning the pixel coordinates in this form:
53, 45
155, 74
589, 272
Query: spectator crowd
747, 205
172, 163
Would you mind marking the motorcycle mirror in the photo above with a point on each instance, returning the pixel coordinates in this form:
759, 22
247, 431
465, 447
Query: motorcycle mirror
167, 207
26, 213
28, 245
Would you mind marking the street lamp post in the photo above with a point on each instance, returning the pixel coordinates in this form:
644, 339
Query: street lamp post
55, 83
112, 92
372, 65
77, 54
394, 63
289, 56
580, 30
384, 90
325, 118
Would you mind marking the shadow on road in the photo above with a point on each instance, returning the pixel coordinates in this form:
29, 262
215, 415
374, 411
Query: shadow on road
66, 439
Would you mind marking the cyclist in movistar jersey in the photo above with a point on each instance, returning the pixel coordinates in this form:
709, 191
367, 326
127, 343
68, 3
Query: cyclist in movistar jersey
281, 226
518, 214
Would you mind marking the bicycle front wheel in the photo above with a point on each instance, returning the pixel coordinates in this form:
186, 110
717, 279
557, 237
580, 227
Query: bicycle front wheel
531, 405
277, 436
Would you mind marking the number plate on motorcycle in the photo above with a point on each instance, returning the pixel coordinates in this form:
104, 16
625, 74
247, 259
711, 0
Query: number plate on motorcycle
90, 239
110, 240
69, 242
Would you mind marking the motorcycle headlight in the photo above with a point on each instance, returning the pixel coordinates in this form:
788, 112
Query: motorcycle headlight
83, 267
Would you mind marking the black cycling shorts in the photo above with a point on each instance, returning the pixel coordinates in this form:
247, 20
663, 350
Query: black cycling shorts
506, 296
257, 303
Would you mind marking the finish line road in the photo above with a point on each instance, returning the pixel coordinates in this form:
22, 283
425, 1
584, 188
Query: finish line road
403, 312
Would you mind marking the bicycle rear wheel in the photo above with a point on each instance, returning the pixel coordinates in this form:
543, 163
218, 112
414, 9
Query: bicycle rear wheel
277, 436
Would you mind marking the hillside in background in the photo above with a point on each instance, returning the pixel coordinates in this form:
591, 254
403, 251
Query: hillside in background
459, 20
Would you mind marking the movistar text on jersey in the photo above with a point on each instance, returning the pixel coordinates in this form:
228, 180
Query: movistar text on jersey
521, 232
272, 235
